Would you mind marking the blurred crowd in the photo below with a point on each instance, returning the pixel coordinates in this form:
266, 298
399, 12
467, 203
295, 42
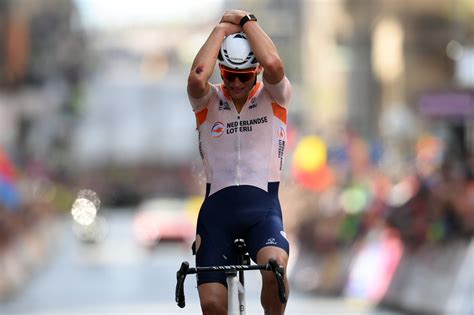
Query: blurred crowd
361, 190
26, 226
426, 197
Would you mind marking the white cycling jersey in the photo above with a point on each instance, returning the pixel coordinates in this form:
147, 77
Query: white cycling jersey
245, 148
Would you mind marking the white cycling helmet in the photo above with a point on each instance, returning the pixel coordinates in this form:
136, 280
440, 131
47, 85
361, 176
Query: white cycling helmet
236, 53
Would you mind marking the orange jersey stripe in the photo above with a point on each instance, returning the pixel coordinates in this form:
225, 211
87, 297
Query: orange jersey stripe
226, 93
254, 90
280, 112
201, 117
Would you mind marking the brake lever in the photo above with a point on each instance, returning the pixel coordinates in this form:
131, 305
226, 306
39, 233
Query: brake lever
180, 277
279, 272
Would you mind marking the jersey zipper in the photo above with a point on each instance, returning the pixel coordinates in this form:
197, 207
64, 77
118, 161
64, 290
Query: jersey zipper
238, 150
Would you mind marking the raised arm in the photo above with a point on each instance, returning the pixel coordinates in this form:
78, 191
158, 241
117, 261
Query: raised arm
205, 60
263, 47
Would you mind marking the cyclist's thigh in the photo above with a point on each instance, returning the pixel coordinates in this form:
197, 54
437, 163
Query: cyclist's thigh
268, 232
216, 246
214, 250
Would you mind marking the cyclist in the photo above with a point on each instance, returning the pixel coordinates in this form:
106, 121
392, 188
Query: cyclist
242, 135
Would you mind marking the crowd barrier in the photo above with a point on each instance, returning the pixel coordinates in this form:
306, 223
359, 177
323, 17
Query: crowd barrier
434, 279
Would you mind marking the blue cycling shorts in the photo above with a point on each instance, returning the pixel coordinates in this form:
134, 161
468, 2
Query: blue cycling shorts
245, 212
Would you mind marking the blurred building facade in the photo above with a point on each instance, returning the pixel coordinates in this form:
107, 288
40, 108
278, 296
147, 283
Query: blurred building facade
42, 47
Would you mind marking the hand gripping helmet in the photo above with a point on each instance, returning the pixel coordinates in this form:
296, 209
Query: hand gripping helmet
236, 53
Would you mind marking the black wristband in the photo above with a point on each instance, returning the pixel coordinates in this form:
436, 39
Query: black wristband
246, 18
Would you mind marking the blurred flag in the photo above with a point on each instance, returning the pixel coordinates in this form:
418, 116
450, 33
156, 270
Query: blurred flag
310, 167
9, 196
7, 170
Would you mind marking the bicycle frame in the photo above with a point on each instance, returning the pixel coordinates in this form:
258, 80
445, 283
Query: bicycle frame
235, 295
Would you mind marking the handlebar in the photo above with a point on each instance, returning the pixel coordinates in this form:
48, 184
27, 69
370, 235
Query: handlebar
185, 270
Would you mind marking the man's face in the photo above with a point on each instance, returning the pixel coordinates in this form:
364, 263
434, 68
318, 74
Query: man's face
239, 83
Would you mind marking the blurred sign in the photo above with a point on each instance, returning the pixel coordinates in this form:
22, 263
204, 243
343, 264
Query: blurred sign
374, 265
447, 104
464, 71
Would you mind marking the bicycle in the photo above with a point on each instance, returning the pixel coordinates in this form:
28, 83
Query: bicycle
235, 285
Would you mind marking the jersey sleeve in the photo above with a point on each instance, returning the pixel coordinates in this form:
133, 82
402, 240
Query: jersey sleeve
200, 103
280, 92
